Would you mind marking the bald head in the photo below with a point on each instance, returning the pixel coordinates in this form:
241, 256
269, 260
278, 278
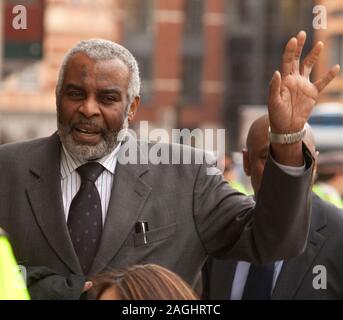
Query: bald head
257, 147
258, 133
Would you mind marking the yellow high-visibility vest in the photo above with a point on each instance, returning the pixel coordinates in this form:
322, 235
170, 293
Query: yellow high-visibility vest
12, 285
239, 187
338, 202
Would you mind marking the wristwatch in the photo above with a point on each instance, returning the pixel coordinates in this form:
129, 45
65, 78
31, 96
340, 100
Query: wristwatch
287, 138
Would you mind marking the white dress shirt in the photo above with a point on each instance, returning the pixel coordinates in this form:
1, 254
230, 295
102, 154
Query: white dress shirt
292, 171
71, 180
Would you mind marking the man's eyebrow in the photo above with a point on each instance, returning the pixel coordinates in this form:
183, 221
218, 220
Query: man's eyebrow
103, 90
73, 86
110, 90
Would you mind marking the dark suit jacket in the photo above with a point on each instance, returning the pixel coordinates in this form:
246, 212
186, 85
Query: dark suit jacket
325, 247
190, 214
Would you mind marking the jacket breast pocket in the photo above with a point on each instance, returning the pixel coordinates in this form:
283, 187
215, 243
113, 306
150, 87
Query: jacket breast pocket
154, 235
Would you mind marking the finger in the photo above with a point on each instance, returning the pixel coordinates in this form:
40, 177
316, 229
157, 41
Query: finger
275, 87
311, 59
301, 38
288, 57
323, 82
87, 286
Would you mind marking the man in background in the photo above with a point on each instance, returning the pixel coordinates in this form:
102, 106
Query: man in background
294, 278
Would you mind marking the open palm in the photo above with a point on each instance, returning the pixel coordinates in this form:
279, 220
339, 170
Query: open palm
292, 95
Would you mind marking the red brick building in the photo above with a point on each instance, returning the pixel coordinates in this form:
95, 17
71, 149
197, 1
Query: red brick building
179, 45
200, 60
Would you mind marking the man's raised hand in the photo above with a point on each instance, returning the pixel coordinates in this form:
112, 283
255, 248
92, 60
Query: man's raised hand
292, 95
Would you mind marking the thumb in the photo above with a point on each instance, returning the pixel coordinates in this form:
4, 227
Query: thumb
87, 286
275, 87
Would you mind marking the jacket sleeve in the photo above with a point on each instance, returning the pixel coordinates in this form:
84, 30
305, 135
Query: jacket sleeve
45, 284
231, 225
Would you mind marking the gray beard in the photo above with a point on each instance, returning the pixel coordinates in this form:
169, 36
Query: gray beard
86, 152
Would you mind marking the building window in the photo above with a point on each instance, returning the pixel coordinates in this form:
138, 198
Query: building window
139, 39
192, 51
145, 70
138, 16
24, 44
22, 47
243, 10
191, 79
193, 16
337, 50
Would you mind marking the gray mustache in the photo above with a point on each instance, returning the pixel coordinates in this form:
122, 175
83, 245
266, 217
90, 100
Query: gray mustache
88, 123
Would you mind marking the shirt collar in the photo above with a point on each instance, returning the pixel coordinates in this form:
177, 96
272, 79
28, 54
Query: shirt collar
69, 164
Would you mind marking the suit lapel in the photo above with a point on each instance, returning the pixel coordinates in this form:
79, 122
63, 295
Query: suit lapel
294, 270
45, 197
129, 194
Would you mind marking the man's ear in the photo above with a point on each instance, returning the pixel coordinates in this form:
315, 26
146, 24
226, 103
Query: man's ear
133, 108
246, 163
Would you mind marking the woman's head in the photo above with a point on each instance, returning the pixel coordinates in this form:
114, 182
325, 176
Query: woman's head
141, 282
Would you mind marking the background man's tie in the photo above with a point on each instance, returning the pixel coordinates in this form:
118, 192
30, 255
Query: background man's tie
85, 216
259, 282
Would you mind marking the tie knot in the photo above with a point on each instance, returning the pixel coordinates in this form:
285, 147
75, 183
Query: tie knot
90, 171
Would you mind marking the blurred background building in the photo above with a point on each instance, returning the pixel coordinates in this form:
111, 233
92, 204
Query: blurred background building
204, 63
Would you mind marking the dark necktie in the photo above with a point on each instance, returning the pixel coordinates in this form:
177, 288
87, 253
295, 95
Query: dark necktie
259, 282
85, 216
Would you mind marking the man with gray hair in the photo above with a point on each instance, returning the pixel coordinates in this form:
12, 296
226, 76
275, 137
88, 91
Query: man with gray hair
73, 209
89, 144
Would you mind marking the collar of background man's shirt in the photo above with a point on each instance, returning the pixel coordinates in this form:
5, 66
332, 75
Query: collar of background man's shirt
69, 164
